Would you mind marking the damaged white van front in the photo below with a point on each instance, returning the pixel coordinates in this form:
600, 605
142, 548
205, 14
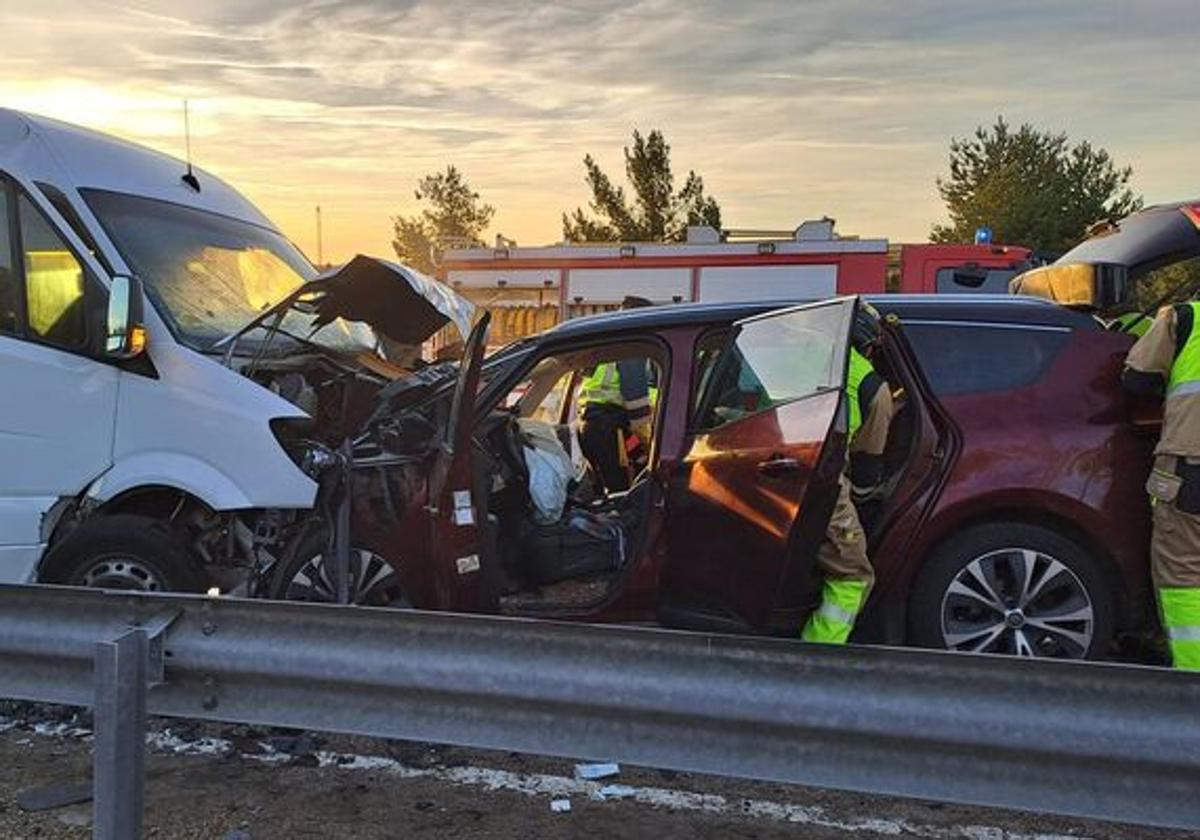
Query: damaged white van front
142, 440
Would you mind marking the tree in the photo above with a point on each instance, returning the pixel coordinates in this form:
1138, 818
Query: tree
658, 212
1170, 284
455, 215
1030, 187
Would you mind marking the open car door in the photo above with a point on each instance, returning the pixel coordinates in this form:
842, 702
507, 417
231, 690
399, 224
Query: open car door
455, 505
754, 492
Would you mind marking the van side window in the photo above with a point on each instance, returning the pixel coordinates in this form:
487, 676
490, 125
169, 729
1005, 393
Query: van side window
53, 282
63, 206
10, 315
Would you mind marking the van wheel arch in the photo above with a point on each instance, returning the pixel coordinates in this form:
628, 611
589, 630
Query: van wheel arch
124, 551
158, 501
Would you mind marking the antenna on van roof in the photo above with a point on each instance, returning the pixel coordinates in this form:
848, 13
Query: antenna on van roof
188, 177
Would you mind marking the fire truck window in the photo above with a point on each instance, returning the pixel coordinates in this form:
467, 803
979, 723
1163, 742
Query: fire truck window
991, 281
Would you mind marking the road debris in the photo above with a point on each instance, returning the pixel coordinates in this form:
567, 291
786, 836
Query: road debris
560, 806
593, 772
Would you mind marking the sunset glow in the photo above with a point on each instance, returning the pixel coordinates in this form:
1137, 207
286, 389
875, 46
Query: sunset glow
789, 110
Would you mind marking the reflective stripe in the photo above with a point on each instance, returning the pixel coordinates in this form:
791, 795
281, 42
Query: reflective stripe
858, 370
1180, 605
602, 386
1185, 370
1185, 655
836, 613
834, 619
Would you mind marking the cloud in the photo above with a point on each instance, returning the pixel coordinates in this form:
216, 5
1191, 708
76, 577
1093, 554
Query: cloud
788, 109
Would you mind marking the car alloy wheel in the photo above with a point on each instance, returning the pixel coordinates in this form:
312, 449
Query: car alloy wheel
373, 581
1018, 601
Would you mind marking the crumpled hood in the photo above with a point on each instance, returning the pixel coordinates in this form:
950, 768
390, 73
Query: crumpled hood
398, 302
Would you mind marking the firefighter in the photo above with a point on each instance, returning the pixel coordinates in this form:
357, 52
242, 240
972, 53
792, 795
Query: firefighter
842, 557
1135, 323
614, 407
1166, 362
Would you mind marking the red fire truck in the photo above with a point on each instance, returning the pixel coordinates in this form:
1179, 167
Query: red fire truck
531, 288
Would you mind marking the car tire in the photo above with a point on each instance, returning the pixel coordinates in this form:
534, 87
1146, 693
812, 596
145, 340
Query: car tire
303, 576
124, 551
1015, 588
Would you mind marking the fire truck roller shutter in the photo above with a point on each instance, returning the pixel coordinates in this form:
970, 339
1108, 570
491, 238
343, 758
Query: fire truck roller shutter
611, 285
525, 278
721, 284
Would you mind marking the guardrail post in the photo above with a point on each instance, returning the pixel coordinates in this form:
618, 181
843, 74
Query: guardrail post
119, 751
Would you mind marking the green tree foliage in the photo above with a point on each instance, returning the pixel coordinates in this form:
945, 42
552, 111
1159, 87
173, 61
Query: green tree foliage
455, 215
658, 212
1030, 187
1174, 283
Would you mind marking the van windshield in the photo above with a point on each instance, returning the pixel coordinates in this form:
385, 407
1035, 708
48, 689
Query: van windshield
209, 275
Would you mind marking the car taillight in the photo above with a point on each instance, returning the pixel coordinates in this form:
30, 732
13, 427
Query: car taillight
1192, 211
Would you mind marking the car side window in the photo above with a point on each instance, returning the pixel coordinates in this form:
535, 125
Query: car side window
10, 290
54, 282
975, 358
709, 348
772, 361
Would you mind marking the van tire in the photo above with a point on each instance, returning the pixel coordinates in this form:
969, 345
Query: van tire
1001, 551
124, 551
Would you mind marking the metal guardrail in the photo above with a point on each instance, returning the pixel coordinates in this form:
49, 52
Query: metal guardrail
1100, 741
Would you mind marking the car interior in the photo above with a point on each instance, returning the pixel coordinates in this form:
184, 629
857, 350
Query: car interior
564, 544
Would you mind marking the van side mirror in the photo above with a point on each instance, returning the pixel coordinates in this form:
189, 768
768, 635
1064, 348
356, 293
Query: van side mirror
125, 334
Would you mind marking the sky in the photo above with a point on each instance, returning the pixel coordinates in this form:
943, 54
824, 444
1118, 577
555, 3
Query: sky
789, 110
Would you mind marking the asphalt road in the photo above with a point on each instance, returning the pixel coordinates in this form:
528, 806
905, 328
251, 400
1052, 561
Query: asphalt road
238, 783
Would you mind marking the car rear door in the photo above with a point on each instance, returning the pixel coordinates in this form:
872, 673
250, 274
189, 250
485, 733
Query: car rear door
455, 503
749, 503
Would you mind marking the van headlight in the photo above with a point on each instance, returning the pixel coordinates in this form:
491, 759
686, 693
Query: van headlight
313, 458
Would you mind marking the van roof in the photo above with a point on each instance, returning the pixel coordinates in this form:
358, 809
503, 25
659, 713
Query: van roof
41, 149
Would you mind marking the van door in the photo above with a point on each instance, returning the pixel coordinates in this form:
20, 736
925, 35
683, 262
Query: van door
57, 403
456, 504
760, 472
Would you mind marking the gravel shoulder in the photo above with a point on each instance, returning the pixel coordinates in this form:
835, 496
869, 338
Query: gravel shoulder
237, 783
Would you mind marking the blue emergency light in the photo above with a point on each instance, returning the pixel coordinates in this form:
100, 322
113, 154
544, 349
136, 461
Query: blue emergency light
983, 235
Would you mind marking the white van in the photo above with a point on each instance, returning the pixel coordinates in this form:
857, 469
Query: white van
157, 352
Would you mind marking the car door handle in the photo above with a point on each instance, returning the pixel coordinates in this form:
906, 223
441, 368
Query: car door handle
780, 466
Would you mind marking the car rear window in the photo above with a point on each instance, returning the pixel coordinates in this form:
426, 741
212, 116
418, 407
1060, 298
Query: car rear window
973, 358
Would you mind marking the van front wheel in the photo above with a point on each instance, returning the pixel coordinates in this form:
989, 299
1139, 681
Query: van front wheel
124, 551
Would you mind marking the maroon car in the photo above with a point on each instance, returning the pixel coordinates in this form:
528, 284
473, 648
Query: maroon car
1012, 518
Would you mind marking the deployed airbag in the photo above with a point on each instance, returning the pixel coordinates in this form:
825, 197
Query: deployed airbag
550, 470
